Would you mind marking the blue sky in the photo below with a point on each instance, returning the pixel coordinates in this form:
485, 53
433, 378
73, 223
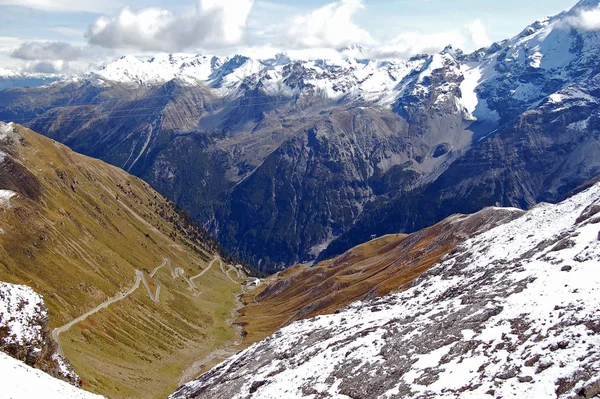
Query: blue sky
98, 30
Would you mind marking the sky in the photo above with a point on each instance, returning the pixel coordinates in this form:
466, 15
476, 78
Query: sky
71, 36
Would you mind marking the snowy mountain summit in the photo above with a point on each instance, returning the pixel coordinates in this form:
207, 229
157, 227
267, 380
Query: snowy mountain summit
513, 313
278, 76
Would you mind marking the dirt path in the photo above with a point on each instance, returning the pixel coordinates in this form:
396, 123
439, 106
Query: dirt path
205, 270
226, 272
140, 277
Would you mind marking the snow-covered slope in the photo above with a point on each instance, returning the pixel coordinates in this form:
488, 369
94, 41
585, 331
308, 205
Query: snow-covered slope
512, 312
21, 314
374, 81
19, 381
549, 56
159, 69
24, 332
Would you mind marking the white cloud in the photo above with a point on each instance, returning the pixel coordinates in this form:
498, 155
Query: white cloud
586, 19
409, 44
67, 31
47, 51
8, 43
94, 6
479, 34
267, 52
212, 23
47, 67
333, 26
330, 26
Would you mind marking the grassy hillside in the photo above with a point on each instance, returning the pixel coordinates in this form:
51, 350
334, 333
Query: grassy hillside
375, 268
76, 233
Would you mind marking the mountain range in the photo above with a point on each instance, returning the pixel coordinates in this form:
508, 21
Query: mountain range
289, 161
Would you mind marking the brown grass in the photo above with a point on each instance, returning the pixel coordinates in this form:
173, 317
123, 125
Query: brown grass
80, 242
378, 267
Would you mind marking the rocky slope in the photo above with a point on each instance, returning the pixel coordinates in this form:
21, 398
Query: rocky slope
512, 312
83, 233
280, 157
25, 335
370, 270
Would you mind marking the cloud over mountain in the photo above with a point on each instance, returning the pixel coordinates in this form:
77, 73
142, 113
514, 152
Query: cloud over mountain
210, 24
332, 25
587, 19
47, 51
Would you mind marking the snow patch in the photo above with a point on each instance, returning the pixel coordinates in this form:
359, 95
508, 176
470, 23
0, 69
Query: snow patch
20, 310
23, 382
6, 130
467, 87
5, 197
556, 98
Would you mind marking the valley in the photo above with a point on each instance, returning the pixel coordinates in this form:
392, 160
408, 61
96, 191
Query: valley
139, 277
289, 160
512, 311
304, 217
71, 233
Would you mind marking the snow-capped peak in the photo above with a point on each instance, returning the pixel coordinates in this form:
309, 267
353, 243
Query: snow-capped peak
545, 57
281, 75
158, 69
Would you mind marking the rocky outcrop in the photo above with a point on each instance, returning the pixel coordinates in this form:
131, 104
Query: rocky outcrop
25, 334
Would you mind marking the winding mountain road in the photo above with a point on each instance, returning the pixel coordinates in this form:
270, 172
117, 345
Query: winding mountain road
227, 272
139, 278
205, 270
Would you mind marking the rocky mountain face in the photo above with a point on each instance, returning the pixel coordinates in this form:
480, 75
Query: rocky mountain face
511, 312
25, 334
282, 158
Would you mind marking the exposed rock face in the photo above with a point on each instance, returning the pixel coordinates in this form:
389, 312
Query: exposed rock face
497, 317
279, 157
539, 158
25, 335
